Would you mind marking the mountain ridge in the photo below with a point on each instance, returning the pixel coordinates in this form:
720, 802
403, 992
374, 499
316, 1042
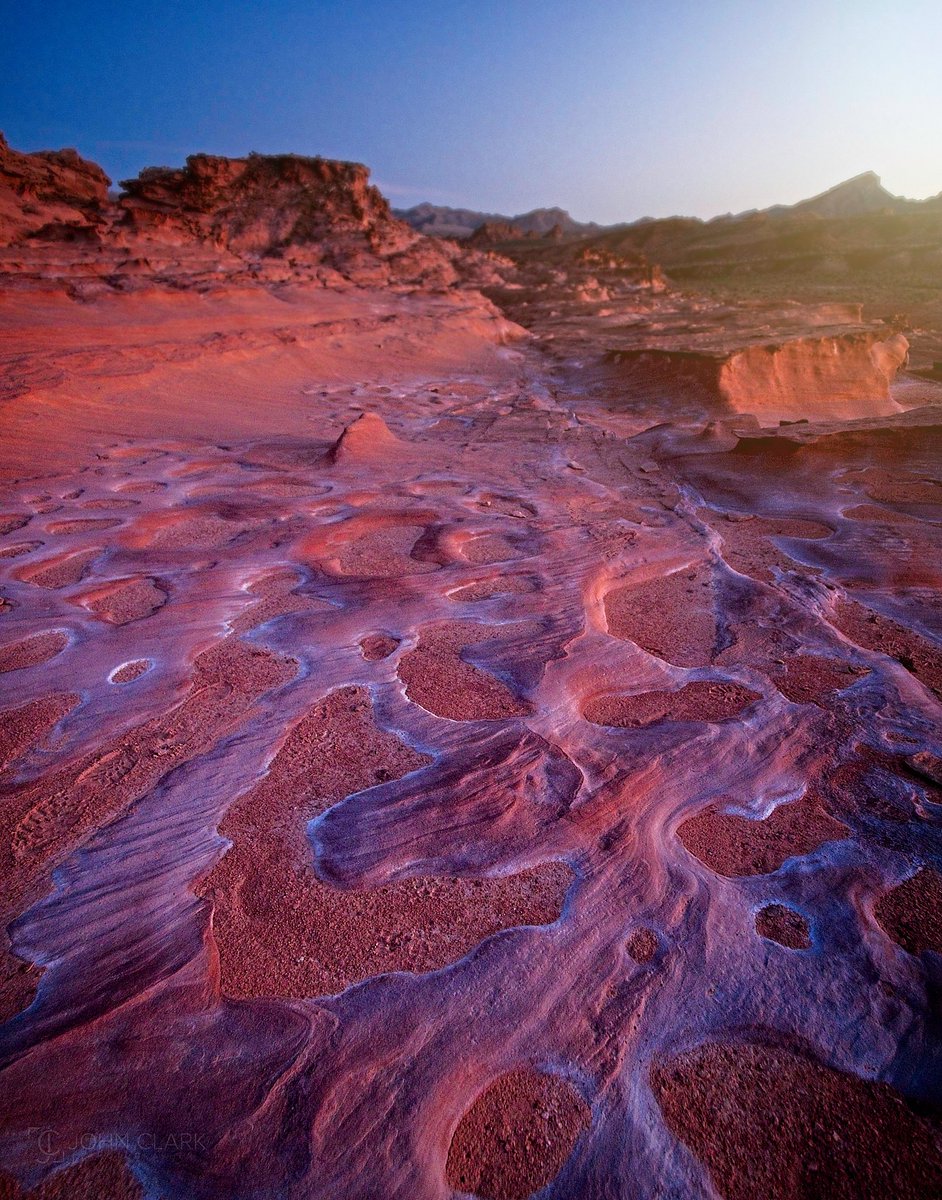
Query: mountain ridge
860, 195
438, 220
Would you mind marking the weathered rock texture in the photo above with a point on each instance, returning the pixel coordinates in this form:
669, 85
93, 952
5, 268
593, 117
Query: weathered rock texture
441, 763
264, 218
278, 205
52, 192
840, 375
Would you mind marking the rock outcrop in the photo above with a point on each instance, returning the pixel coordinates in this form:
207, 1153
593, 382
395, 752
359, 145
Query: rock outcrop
264, 218
302, 212
366, 439
263, 204
845, 376
840, 375
46, 191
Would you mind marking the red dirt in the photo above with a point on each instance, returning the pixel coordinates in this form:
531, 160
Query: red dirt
671, 617
144, 487
834, 1135
810, 679
278, 597
281, 932
911, 913
185, 530
869, 786
873, 631
514, 585
131, 671
516, 1136
900, 486
704, 701
109, 502
369, 546
104, 1176
438, 678
40, 822
783, 925
22, 728
32, 651
642, 945
489, 548
83, 525
883, 516
748, 548
62, 571
126, 600
732, 845
376, 646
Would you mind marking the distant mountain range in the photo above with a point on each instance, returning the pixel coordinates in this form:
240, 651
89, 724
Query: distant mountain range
440, 221
863, 195
856, 231
855, 197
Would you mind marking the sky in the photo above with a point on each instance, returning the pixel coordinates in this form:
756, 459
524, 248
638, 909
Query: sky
613, 111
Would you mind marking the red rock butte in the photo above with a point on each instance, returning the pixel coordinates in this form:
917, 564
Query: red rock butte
471, 704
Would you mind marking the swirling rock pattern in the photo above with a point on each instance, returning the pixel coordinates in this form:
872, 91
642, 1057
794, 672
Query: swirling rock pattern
508, 794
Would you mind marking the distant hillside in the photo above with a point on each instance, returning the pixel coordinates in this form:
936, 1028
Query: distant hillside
855, 234
439, 221
864, 195
853, 198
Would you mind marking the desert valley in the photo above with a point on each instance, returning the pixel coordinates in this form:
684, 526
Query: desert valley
471, 693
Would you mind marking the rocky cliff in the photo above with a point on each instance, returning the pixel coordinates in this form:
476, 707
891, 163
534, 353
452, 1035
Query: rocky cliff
831, 375
269, 218
48, 188
264, 204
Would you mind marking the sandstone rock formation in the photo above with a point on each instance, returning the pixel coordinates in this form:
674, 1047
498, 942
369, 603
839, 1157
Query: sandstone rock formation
51, 192
365, 439
839, 375
263, 204
440, 761
268, 218
847, 376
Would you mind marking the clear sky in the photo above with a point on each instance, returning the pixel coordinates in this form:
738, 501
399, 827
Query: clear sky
614, 110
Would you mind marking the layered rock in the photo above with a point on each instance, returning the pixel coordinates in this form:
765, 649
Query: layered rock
845, 376
263, 204
268, 218
842, 375
46, 191
304, 212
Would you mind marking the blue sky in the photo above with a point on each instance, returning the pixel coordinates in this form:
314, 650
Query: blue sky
612, 110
